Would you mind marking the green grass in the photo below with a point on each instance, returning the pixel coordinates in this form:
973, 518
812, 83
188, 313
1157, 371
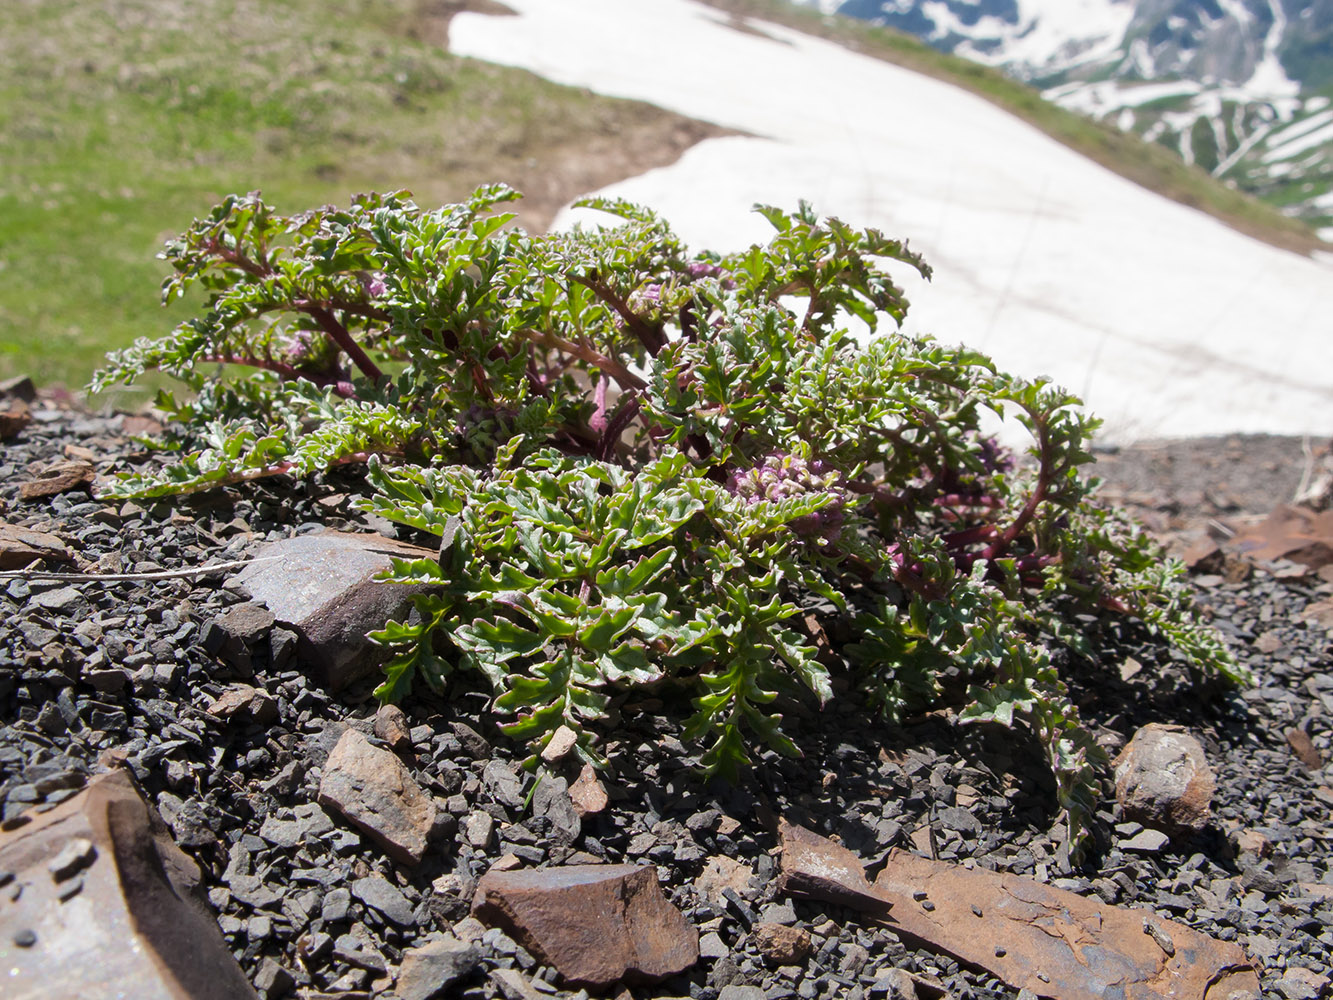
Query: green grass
1147, 164
120, 121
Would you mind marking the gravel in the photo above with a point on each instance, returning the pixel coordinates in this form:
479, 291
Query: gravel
128, 671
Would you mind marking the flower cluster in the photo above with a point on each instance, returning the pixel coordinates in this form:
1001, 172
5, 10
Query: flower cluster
784, 477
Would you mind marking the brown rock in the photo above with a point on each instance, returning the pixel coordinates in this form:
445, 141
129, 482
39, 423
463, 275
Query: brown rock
562, 741
597, 925
1054, 942
587, 793
391, 726
322, 586
21, 547
379, 796
1304, 749
1162, 779
14, 416
246, 703
781, 945
813, 867
1251, 842
722, 872
18, 387
59, 478
107, 898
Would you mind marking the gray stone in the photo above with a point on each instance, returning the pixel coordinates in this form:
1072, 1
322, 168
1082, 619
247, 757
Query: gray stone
377, 794
322, 587
741, 993
381, 895
427, 972
505, 786
1146, 842
551, 800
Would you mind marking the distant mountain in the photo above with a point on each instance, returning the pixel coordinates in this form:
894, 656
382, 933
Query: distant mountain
1244, 88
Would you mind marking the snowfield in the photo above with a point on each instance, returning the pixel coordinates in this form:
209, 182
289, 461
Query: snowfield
1166, 322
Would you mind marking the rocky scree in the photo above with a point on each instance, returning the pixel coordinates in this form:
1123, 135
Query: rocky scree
205, 700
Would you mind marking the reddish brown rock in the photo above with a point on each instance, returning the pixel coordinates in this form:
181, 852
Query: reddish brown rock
813, 867
722, 872
1054, 942
59, 478
245, 704
379, 796
1162, 779
597, 925
781, 945
391, 726
21, 547
322, 586
14, 416
587, 793
101, 895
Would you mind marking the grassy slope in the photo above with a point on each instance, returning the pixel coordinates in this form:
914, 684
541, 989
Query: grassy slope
122, 120
1147, 164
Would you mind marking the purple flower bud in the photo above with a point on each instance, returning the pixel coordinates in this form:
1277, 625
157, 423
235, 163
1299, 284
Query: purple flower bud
372, 283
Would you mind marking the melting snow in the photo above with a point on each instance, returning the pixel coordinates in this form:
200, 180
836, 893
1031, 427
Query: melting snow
1166, 321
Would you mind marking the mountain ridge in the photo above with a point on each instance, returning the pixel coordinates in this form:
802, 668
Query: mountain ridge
1241, 88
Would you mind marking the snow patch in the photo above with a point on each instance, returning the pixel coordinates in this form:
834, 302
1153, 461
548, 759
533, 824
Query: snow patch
1166, 321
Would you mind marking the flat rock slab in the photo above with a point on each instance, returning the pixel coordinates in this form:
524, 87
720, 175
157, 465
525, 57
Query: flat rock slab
322, 586
597, 925
21, 547
102, 904
1054, 942
813, 867
377, 794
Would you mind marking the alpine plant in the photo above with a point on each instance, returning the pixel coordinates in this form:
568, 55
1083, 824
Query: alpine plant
646, 465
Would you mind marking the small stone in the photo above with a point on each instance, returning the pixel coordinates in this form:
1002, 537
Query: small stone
62, 477
392, 727
552, 801
1304, 749
381, 895
587, 793
322, 586
75, 856
1299, 983
562, 741
272, 980
712, 946
780, 944
377, 794
478, 828
429, 971
25, 938
334, 907
1146, 842
596, 924
473, 743
513, 985
505, 786
1162, 779
250, 704
20, 547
